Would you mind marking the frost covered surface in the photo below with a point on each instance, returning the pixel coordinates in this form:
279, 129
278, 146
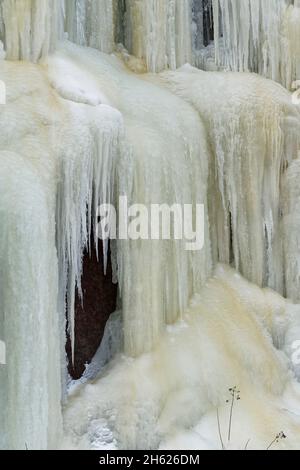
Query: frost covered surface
163, 398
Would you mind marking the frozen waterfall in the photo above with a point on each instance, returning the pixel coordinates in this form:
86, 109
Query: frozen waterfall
106, 98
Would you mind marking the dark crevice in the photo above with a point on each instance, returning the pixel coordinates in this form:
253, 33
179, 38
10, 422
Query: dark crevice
99, 302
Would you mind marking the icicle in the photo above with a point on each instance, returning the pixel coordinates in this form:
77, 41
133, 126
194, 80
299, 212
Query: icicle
87, 180
260, 36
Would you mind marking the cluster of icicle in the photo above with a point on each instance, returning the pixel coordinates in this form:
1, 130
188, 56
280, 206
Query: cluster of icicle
156, 31
259, 36
245, 191
250, 35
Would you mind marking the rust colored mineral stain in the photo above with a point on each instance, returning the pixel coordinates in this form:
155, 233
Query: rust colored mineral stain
99, 302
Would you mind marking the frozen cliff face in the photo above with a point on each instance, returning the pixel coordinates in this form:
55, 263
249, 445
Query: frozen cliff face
29, 28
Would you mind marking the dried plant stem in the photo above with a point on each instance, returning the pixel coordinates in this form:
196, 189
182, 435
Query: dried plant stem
219, 430
230, 418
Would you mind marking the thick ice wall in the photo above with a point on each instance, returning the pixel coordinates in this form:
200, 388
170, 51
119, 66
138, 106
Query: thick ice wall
30, 29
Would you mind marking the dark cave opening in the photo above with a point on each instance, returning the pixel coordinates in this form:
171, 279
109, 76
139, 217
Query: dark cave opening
91, 315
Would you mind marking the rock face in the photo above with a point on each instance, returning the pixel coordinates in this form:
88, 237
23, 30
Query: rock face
99, 301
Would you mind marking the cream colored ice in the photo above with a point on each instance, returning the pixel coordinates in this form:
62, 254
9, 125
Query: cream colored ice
80, 128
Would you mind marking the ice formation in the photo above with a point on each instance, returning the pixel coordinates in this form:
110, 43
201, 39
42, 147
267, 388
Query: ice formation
80, 128
65, 154
30, 381
169, 290
251, 141
259, 36
30, 28
290, 224
91, 23
159, 32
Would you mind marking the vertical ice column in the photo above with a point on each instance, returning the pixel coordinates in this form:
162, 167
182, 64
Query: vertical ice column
160, 32
290, 67
30, 381
183, 32
30, 28
91, 23
101, 25
76, 17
